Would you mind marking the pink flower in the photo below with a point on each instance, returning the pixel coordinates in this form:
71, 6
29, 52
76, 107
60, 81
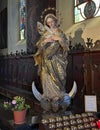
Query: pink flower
14, 102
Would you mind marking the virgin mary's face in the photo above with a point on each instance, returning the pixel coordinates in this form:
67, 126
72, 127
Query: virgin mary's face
51, 23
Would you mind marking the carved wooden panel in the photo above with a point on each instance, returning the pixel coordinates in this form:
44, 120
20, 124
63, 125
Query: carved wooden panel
83, 67
18, 71
92, 74
78, 76
86, 73
95, 76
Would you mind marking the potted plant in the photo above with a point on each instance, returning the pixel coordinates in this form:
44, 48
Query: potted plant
19, 107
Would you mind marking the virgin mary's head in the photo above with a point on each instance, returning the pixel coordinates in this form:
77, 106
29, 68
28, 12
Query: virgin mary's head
50, 20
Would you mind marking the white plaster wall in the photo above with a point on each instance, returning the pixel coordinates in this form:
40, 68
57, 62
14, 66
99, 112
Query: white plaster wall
90, 28
13, 35
65, 7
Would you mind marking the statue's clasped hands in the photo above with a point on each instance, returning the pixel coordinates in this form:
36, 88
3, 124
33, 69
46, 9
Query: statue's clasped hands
56, 38
52, 38
48, 39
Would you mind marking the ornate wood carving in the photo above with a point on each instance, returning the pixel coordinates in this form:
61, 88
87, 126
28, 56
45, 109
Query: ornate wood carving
18, 72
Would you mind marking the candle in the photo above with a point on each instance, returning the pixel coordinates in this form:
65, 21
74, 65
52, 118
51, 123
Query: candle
98, 123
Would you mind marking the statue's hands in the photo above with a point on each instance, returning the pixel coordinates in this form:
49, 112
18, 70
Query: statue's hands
52, 38
56, 38
48, 40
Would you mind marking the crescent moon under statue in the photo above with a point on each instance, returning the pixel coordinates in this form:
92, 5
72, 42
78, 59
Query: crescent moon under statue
67, 96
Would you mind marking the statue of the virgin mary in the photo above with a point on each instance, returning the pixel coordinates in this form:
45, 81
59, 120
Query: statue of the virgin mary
51, 58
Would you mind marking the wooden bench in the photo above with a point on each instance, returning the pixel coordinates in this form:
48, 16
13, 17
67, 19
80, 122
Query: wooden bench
17, 72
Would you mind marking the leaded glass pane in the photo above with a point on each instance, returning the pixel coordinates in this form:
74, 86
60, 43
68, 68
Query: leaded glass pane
79, 9
22, 19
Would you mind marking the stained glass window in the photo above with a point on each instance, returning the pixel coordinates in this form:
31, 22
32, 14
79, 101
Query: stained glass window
79, 11
78, 2
22, 19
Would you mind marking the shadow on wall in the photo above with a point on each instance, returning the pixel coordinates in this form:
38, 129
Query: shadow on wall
87, 29
77, 39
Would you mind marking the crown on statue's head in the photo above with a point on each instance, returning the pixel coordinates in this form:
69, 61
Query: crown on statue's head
51, 10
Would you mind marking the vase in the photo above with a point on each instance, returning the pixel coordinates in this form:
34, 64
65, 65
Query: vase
19, 117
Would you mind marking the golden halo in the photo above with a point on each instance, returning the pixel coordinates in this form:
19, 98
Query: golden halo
51, 10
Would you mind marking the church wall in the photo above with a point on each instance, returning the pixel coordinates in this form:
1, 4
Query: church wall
34, 9
89, 28
66, 10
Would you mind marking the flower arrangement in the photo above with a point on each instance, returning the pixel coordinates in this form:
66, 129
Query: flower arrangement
17, 104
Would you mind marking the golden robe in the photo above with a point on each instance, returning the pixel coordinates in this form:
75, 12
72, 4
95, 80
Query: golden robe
51, 58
